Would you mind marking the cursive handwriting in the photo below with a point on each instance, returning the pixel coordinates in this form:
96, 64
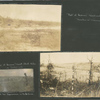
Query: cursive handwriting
84, 17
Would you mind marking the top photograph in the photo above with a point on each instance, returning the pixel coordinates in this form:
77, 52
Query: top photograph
30, 27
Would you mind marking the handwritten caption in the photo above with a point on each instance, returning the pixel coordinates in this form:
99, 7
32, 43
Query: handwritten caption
85, 17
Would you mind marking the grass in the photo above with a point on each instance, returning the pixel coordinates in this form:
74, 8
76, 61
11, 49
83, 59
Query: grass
16, 84
81, 89
13, 40
63, 87
28, 35
6, 22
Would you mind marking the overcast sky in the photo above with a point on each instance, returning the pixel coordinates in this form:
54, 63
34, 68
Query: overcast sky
69, 57
32, 12
16, 72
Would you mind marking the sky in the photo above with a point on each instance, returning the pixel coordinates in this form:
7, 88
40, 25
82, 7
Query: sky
31, 12
71, 57
16, 72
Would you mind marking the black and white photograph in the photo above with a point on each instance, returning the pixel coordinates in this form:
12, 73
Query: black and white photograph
18, 71
30, 27
70, 74
16, 80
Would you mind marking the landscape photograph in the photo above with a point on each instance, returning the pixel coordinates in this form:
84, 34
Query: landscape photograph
70, 74
30, 27
16, 80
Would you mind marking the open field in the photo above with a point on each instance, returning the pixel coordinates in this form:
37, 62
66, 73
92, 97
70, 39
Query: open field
16, 84
28, 35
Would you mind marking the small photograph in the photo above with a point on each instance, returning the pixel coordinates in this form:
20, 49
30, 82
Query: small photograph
16, 80
30, 27
71, 74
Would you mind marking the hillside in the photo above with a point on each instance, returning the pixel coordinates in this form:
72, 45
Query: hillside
81, 66
81, 70
28, 35
17, 23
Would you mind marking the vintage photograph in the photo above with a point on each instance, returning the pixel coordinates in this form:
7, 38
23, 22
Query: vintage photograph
16, 80
30, 27
70, 74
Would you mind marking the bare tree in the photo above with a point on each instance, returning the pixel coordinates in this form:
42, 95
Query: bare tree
91, 70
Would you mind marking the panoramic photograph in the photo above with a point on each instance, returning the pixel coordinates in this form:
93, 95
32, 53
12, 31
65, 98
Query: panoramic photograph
30, 27
70, 74
16, 80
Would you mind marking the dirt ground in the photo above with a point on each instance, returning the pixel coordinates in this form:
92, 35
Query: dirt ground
16, 84
26, 35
